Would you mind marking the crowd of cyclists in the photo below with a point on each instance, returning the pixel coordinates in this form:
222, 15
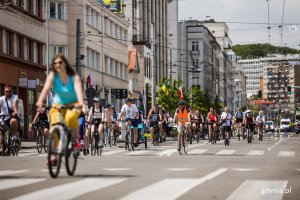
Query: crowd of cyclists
101, 125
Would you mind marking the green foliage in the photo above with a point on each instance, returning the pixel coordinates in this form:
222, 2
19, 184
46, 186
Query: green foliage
202, 101
261, 50
170, 102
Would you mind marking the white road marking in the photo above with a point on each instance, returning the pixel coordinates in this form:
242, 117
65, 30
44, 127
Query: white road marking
47, 170
298, 170
286, 153
167, 152
9, 172
197, 151
136, 153
72, 190
180, 169
244, 169
117, 169
43, 155
256, 153
13, 183
161, 189
225, 152
259, 190
112, 152
27, 154
269, 149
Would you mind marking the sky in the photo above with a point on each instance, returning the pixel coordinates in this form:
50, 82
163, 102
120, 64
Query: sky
248, 19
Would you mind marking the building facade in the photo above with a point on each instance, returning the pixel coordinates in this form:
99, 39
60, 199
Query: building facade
103, 44
22, 46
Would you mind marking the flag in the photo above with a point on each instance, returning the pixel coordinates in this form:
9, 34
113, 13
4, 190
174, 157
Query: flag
164, 87
179, 92
293, 28
89, 80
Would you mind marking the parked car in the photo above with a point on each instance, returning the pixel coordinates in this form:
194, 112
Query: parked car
285, 125
297, 127
270, 126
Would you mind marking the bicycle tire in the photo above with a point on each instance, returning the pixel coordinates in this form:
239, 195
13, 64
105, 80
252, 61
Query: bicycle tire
183, 143
54, 169
39, 142
145, 141
70, 154
132, 141
191, 137
45, 143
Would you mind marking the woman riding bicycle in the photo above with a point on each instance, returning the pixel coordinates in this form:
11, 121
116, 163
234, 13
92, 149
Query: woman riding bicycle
42, 116
212, 122
68, 92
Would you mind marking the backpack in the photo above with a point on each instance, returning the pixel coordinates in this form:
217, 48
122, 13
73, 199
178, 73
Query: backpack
239, 115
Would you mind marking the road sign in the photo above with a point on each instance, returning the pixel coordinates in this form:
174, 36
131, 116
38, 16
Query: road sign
121, 93
90, 92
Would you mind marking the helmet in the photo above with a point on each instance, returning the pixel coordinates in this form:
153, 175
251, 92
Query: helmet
96, 99
127, 100
181, 103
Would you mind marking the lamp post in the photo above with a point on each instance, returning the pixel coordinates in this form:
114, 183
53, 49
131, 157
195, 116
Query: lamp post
182, 49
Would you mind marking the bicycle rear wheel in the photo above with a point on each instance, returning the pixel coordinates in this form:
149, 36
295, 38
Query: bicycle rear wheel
71, 157
54, 157
45, 140
39, 142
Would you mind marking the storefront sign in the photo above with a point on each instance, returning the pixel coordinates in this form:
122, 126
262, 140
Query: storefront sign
32, 84
116, 6
23, 82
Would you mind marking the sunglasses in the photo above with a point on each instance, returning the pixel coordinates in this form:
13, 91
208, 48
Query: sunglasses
60, 62
7, 91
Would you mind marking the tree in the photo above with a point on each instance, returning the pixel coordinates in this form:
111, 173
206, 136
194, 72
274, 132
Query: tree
170, 102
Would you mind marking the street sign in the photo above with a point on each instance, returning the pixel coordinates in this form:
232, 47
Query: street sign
121, 93
90, 92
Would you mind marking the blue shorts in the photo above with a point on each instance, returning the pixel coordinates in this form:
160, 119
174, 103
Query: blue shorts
134, 122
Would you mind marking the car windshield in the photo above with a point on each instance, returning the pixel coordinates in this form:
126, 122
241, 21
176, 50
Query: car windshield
285, 123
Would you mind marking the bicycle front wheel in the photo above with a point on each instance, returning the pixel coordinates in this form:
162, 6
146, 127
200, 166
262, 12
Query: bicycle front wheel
54, 157
39, 142
71, 157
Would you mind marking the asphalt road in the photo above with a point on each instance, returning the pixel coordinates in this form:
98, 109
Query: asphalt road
262, 170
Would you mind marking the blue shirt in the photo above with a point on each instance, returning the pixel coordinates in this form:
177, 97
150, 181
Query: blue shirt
64, 94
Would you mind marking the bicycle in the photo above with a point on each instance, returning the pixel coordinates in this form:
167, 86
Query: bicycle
129, 139
95, 149
239, 130
260, 131
182, 135
11, 144
116, 133
109, 136
156, 134
61, 144
213, 134
249, 133
41, 140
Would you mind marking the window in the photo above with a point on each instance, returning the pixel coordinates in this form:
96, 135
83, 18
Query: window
9, 43
20, 47
38, 8
19, 3
53, 50
107, 26
30, 50
195, 46
39, 53
57, 10
107, 65
93, 60
92, 17
113, 67
117, 69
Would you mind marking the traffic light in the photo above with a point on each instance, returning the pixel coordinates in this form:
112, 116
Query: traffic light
259, 94
289, 90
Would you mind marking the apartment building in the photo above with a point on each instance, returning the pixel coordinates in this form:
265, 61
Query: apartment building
103, 44
22, 46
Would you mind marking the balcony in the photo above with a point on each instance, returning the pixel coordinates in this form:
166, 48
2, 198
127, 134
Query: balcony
195, 52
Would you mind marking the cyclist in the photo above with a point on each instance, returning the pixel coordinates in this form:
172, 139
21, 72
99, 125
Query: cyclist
95, 117
182, 114
239, 120
212, 122
132, 114
42, 116
249, 122
68, 91
200, 122
107, 117
9, 107
194, 121
86, 111
226, 123
260, 121
155, 118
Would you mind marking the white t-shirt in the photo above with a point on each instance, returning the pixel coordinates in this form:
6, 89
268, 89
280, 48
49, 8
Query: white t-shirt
170, 122
260, 119
229, 116
130, 111
3, 104
96, 114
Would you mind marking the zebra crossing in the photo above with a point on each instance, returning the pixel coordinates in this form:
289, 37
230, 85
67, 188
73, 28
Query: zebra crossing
171, 151
166, 188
